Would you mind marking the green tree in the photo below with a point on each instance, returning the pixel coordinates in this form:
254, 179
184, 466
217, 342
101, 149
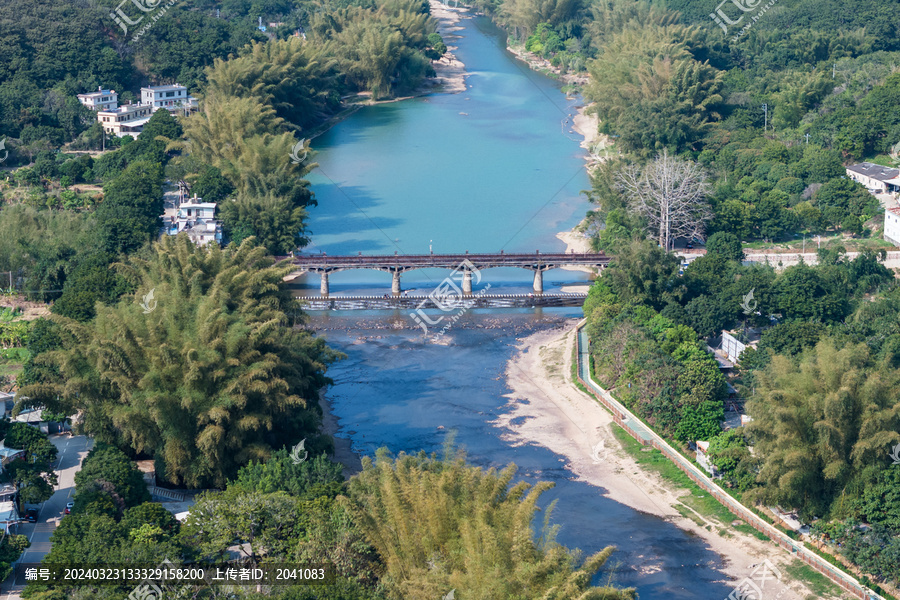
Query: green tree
105, 464
477, 513
280, 473
644, 273
211, 377
819, 423
725, 244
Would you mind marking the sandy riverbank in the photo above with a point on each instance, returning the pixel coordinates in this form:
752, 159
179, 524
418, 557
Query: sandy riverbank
451, 73
546, 409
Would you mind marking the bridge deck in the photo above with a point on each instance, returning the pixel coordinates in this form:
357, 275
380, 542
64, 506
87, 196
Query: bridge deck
449, 260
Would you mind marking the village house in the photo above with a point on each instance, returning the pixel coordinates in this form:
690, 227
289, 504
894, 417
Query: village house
130, 119
876, 178
100, 100
125, 120
892, 226
195, 218
170, 97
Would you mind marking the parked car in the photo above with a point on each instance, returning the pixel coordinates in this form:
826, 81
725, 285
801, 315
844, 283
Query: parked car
31, 515
690, 245
69, 507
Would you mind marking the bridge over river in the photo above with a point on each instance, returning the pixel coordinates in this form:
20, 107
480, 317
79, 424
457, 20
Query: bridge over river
465, 267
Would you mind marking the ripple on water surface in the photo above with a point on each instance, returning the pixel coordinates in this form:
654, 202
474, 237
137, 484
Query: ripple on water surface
396, 391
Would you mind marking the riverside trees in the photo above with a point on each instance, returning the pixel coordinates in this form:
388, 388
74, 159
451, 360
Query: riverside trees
205, 374
670, 193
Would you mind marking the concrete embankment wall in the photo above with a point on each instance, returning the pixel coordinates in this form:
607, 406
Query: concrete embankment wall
636, 428
783, 260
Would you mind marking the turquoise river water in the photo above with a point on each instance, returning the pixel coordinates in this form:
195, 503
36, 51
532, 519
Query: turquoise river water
507, 174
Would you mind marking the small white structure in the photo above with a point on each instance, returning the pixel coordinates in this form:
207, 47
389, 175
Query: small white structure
125, 120
703, 459
100, 100
170, 97
733, 347
875, 177
892, 226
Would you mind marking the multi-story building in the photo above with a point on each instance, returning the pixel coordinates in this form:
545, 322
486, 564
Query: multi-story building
100, 100
892, 226
170, 97
195, 218
130, 119
125, 120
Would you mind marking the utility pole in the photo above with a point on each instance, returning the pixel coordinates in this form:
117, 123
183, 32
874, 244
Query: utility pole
807, 139
834, 70
766, 122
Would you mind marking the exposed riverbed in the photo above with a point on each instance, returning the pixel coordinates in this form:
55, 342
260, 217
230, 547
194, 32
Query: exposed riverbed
497, 166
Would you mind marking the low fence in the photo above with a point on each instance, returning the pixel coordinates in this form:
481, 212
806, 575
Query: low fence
788, 259
643, 434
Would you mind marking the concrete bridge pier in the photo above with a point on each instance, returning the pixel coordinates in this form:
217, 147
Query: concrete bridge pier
395, 283
538, 282
323, 286
467, 282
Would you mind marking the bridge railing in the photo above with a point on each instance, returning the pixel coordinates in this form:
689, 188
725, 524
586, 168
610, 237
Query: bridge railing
445, 259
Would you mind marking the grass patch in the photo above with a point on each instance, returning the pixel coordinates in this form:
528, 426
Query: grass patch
697, 499
11, 360
817, 582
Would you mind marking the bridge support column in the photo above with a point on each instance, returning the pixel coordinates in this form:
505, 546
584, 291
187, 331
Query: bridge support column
323, 286
395, 283
467, 282
538, 282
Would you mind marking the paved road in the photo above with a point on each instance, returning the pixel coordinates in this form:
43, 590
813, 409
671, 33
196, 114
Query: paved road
72, 451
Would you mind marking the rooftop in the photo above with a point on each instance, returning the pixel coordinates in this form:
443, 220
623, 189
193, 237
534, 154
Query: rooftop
125, 108
164, 88
874, 171
99, 92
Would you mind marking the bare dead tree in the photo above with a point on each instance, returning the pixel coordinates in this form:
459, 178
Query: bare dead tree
671, 193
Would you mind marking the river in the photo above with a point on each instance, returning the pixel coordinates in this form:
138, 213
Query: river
507, 174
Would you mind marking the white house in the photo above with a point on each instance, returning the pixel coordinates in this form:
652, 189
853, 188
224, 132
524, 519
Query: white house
892, 226
875, 177
170, 97
195, 218
100, 100
125, 120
